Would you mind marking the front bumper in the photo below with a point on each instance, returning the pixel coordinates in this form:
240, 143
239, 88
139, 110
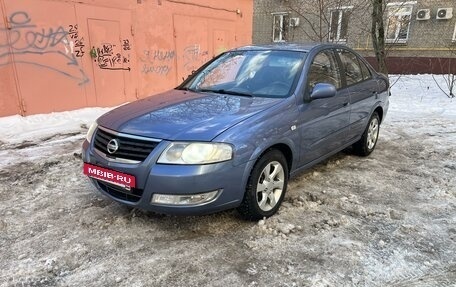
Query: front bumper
152, 178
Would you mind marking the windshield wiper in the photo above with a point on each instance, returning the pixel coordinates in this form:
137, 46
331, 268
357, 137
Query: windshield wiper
186, 89
226, 92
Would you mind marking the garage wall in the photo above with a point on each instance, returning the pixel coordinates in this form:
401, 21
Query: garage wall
63, 55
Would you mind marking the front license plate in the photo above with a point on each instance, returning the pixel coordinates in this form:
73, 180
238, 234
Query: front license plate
111, 176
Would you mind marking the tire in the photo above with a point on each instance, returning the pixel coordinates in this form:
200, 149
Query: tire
368, 141
266, 187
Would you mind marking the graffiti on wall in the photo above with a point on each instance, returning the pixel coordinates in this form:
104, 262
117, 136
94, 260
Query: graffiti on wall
78, 42
194, 57
25, 43
108, 59
126, 45
159, 62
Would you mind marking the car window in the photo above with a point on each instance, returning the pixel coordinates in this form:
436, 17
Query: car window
366, 72
353, 73
257, 73
224, 73
324, 69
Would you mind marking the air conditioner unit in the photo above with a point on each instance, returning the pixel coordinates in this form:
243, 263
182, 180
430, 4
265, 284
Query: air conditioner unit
444, 13
294, 22
423, 14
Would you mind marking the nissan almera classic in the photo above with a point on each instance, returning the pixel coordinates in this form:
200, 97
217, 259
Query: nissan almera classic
234, 132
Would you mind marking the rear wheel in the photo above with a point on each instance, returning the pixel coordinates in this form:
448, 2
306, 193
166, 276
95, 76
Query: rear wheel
266, 186
368, 141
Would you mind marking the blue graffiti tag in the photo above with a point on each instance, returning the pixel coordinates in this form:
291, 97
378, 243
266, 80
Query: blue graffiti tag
25, 38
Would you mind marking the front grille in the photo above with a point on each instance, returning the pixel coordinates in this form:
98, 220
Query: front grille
132, 195
130, 148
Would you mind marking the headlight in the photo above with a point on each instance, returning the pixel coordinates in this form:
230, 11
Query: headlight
92, 129
196, 153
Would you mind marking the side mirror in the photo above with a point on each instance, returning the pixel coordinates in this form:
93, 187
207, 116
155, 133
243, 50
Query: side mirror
323, 91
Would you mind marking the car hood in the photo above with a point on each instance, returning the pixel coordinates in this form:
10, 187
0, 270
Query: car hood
183, 115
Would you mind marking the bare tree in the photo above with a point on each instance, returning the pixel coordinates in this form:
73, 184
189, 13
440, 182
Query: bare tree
449, 75
378, 34
321, 19
315, 17
317, 23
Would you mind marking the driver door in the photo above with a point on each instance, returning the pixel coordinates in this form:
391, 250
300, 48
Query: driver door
323, 123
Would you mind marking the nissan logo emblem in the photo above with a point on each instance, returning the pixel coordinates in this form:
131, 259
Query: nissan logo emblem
113, 146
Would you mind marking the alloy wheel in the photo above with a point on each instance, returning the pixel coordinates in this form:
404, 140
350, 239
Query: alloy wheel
270, 186
372, 133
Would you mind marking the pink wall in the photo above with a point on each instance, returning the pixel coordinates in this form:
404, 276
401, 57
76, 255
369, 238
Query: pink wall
63, 55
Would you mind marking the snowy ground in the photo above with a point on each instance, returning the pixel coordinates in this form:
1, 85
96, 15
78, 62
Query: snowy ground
385, 220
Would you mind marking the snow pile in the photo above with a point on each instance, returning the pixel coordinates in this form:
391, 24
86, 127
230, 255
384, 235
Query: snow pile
418, 97
15, 129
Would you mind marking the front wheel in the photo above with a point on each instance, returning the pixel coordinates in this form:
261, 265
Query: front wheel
266, 186
368, 141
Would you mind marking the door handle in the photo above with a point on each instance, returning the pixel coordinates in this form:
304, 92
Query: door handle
345, 104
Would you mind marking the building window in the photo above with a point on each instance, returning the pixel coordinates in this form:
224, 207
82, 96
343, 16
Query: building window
338, 24
454, 33
281, 26
398, 24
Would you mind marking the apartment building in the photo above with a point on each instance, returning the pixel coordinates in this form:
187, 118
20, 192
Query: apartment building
420, 35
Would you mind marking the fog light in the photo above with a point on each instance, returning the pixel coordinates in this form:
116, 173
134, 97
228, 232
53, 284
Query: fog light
187, 199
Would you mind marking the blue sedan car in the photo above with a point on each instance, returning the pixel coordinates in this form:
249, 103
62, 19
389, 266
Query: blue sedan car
234, 132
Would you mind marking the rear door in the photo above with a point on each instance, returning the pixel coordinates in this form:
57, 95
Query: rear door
324, 123
362, 89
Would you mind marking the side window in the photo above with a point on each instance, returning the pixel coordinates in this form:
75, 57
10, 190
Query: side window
366, 72
352, 69
324, 69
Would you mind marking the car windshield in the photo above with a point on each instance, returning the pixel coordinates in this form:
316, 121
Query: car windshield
249, 73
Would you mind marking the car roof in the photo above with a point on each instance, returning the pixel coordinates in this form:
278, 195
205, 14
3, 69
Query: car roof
301, 47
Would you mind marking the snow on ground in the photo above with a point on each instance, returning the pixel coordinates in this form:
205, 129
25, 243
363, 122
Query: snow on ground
385, 220
16, 129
